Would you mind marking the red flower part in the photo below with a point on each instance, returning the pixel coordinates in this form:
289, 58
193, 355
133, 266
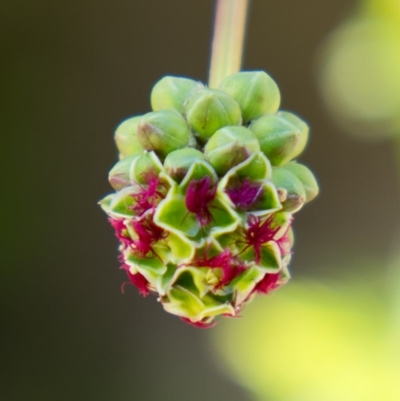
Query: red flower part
198, 197
121, 258
268, 283
231, 268
121, 231
148, 234
284, 244
200, 325
245, 194
232, 316
147, 197
138, 280
259, 232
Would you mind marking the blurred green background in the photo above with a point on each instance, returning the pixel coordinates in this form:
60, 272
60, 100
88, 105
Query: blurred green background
70, 72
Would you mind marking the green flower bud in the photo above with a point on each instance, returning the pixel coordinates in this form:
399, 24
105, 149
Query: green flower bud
284, 180
144, 166
209, 110
119, 174
126, 137
282, 194
163, 131
306, 177
178, 162
301, 125
282, 136
230, 146
172, 92
255, 91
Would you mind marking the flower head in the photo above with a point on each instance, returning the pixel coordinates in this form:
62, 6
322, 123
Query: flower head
200, 194
213, 157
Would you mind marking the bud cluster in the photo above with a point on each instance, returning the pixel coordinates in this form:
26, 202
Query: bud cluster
206, 187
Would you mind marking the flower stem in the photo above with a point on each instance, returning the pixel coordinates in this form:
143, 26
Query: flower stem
396, 146
227, 45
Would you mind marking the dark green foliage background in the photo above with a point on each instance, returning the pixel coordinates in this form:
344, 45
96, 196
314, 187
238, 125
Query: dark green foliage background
70, 71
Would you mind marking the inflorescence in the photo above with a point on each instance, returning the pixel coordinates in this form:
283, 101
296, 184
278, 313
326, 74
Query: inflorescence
205, 192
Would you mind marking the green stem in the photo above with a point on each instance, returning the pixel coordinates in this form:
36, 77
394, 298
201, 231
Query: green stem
227, 46
396, 145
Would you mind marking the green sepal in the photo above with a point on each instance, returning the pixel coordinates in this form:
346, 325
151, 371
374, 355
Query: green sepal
123, 202
181, 249
163, 282
163, 131
162, 250
256, 169
283, 221
270, 260
295, 194
178, 162
255, 91
151, 263
282, 136
106, 202
213, 278
182, 302
188, 296
191, 278
172, 214
268, 202
197, 171
301, 125
231, 240
306, 177
152, 269
141, 168
172, 92
166, 180
285, 275
126, 137
118, 176
230, 146
207, 248
187, 286
144, 165
224, 218
208, 110
244, 284
216, 305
